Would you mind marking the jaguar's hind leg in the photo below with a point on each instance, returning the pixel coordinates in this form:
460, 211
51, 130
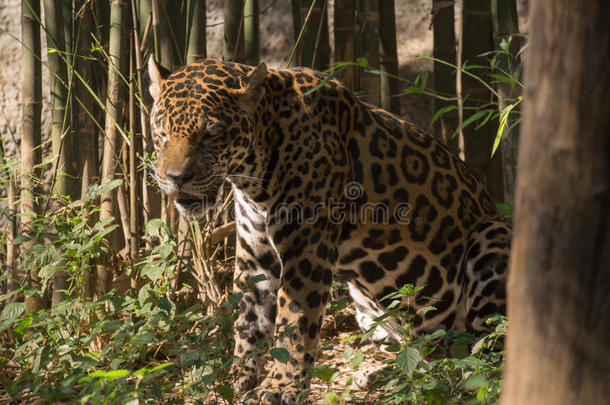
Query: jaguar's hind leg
485, 268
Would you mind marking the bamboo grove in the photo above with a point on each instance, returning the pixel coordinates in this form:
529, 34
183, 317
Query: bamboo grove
90, 177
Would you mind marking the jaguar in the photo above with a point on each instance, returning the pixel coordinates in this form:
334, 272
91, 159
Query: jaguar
326, 187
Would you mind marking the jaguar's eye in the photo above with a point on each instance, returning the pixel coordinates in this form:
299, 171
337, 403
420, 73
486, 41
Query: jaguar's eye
214, 131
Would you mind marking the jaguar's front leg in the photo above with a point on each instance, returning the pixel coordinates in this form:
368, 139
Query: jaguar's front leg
257, 277
308, 256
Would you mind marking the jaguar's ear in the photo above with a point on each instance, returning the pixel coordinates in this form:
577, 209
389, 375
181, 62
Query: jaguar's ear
157, 74
252, 91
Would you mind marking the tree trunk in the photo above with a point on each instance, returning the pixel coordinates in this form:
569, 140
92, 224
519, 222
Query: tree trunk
233, 49
175, 21
443, 21
196, 25
7, 176
559, 284
388, 58
151, 201
31, 97
369, 49
134, 192
477, 39
345, 40
114, 106
61, 137
251, 32
84, 110
505, 27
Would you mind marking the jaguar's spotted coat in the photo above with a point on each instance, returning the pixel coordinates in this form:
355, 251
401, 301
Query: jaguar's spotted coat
325, 187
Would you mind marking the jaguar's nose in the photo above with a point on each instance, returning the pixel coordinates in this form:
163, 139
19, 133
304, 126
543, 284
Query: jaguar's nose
180, 177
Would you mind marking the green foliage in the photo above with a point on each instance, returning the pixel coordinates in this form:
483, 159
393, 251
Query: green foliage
441, 367
117, 349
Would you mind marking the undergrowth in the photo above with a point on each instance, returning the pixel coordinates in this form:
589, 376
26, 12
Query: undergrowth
139, 347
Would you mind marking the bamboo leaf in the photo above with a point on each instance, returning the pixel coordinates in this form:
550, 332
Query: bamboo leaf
469, 121
442, 111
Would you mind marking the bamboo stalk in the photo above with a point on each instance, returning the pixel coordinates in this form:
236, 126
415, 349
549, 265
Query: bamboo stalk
477, 38
84, 125
345, 40
233, 45
113, 113
506, 28
11, 249
313, 45
60, 133
142, 17
196, 30
296, 19
388, 57
369, 49
445, 75
133, 173
30, 131
7, 176
155, 29
145, 143
251, 32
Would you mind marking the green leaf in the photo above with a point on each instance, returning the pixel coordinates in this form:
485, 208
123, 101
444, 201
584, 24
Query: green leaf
442, 111
111, 325
503, 121
226, 393
160, 366
330, 398
255, 279
143, 295
21, 239
503, 78
458, 350
153, 226
235, 299
358, 357
475, 382
13, 310
27, 320
110, 375
280, 354
153, 271
470, 120
329, 78
104, 232
110, 186
408, 360
362, 61
326, 373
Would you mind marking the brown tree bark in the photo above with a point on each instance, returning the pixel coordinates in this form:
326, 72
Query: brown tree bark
559, 285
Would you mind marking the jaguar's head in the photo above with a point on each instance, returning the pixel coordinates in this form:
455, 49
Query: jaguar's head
202, 125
